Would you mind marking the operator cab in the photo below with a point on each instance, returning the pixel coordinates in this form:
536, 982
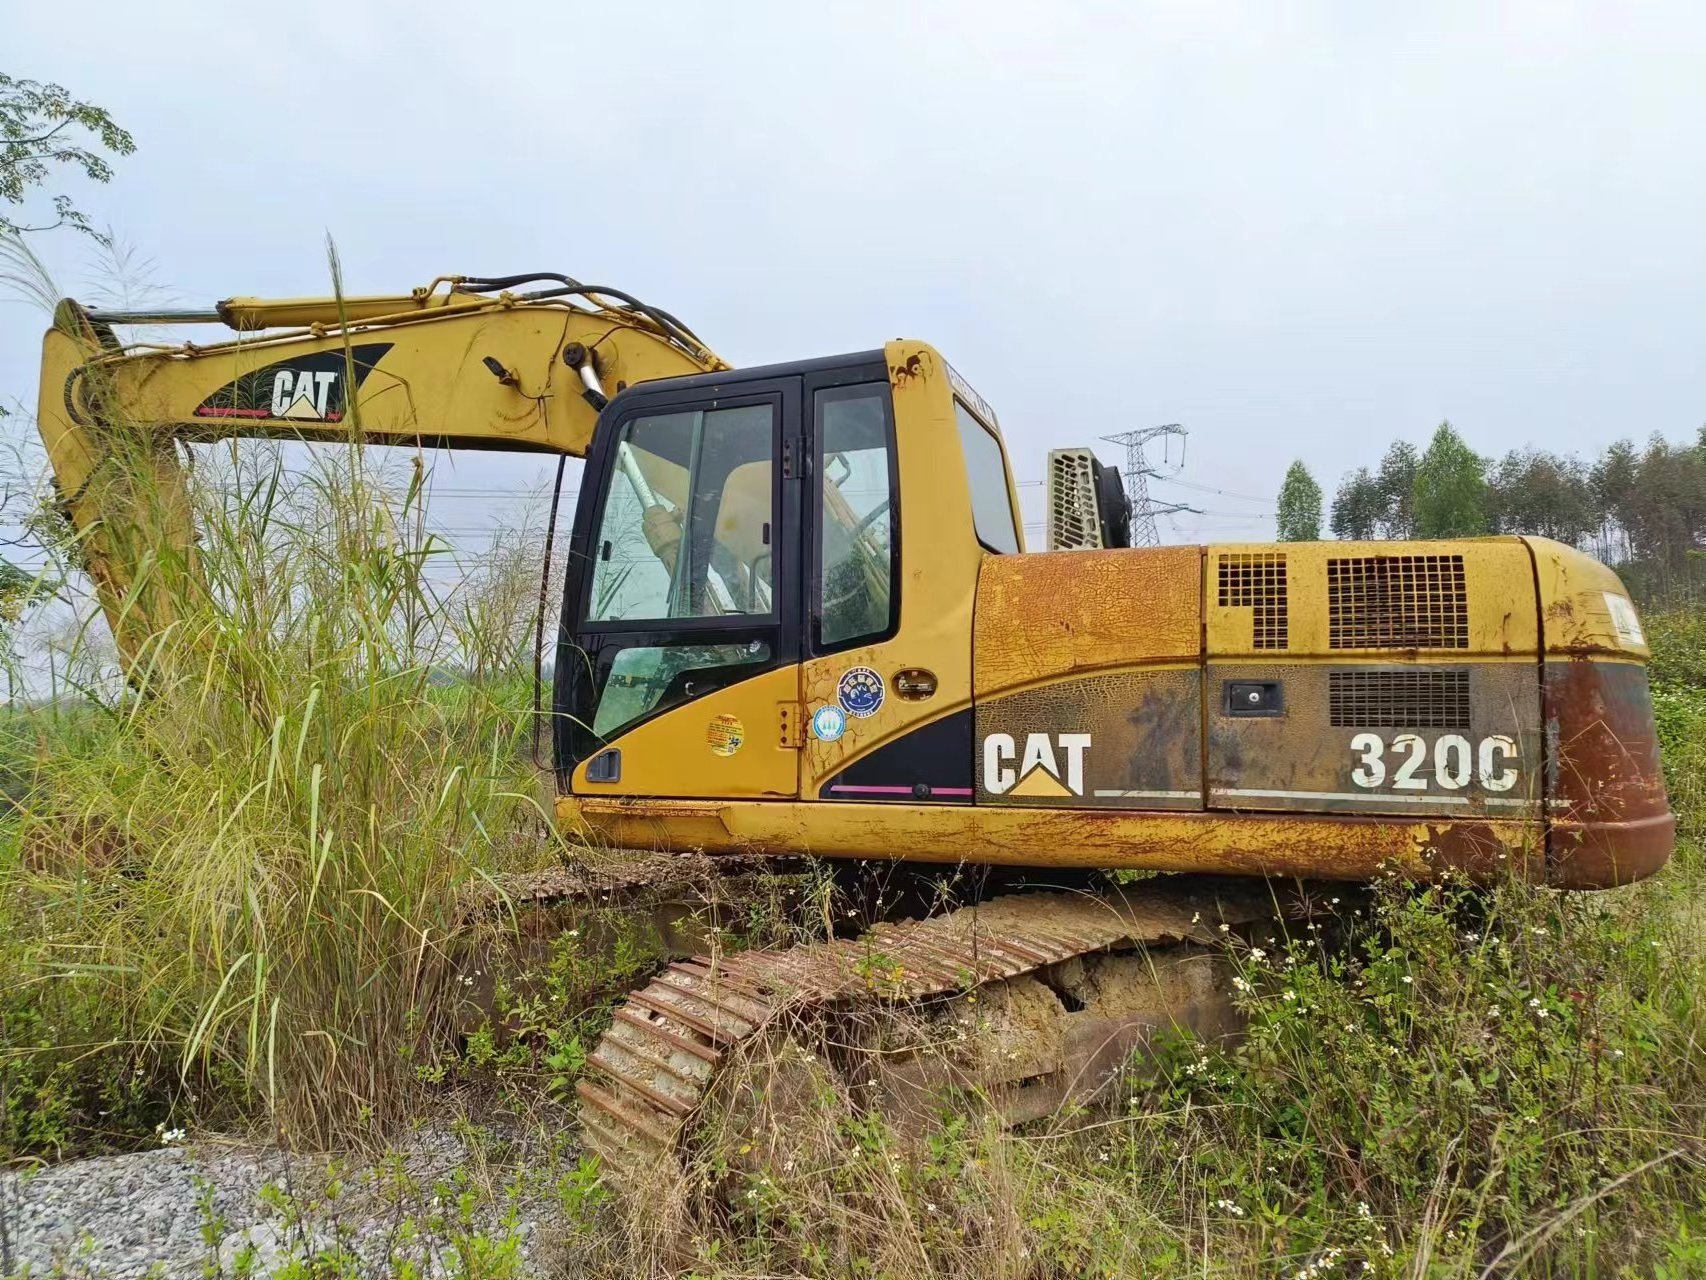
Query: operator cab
737, 525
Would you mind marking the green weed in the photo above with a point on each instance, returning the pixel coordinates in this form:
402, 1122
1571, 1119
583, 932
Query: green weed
240, 879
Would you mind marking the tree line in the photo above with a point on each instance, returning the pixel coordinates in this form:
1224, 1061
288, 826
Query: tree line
1640, 508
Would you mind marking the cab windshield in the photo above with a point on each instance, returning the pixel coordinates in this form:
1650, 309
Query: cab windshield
688, 524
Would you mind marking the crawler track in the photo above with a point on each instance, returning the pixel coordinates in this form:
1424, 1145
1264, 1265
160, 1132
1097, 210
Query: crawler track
670, 1042
663, 905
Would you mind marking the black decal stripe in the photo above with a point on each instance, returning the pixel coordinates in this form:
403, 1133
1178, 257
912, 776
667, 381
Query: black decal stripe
250, 396
931, 764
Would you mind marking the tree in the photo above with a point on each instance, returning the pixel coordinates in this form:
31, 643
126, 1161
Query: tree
1666, 508
1450, 488
1613, 483
41, 128
1532, 491
1397, 481
1299, 506
1358, 507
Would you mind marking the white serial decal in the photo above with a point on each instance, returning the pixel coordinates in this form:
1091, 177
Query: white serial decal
1454, 760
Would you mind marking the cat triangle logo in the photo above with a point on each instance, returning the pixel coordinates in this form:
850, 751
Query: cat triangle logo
1040, 783
1050, 766
303, 407
305, 395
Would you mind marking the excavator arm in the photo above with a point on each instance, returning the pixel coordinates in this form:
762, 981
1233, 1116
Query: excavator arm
460, 363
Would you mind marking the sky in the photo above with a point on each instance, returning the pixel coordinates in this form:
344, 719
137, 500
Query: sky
1299, 230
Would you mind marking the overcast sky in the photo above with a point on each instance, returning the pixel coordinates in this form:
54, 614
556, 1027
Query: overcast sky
1299, 230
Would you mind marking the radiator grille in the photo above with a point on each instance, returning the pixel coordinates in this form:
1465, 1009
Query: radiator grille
1397, 602
1073, 521
1256, 582
1398, 699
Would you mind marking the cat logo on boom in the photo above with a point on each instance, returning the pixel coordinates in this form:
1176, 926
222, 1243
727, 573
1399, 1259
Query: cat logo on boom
306, 394
1051, 765
302, 389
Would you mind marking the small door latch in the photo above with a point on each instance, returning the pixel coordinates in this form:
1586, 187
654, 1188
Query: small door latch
1254, 698
606, 766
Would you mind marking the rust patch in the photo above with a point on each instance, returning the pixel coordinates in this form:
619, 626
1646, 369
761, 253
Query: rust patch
1611, 816
1310, 845
914, 366
1068, 613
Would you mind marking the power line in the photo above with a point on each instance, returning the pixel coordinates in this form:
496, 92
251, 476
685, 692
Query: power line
1225, 493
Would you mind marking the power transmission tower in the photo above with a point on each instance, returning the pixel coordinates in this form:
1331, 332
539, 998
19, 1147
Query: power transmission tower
1138, 470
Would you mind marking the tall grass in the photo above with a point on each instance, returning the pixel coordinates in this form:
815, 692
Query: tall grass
248, 864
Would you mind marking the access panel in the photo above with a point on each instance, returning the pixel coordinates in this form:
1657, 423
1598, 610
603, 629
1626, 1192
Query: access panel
1378, 678
1089, 680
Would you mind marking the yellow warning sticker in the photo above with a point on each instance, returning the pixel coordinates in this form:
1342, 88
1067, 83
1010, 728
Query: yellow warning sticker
725, 734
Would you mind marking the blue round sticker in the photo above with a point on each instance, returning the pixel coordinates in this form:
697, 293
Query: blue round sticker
861, 692
828, 723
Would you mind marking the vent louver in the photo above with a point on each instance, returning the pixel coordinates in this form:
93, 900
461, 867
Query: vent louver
1397, 602
1398, 699
1256, 581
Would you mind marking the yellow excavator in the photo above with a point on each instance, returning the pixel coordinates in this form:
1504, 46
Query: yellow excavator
799, 619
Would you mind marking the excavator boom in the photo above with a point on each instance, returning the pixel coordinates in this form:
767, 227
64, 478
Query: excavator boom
459, 363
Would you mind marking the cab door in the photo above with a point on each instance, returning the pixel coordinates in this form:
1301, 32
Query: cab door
677, 673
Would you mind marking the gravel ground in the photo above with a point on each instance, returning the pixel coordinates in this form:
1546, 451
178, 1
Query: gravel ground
172, 1212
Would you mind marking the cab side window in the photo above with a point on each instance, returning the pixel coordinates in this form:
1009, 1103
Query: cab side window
856, 515
986, 470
